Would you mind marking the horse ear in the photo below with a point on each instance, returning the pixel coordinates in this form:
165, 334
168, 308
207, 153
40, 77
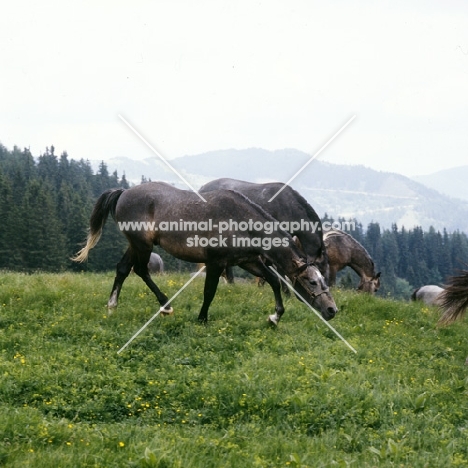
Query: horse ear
377, 278
300, 266
297, 242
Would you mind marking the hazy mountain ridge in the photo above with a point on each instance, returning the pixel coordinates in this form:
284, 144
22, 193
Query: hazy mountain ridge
452, 182
338, 190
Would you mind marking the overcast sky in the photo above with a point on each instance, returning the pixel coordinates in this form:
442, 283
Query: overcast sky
195, 76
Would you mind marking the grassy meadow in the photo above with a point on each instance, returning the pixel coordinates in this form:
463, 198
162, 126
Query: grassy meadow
233, 393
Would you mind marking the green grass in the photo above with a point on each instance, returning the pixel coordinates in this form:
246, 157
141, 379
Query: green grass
233, 393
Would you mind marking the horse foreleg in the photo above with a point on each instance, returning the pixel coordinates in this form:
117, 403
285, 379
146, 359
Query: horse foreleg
229, 274
122, 271
284, 286
274, 282
332, 276
213, 273
261, 270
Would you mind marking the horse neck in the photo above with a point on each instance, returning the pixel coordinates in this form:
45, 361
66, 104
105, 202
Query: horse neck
360, 260
362, 263
312, 244
285, 258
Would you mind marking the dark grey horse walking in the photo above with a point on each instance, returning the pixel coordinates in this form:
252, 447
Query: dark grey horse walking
343, 250
158, 214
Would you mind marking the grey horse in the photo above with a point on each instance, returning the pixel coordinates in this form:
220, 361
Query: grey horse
343, 250
429, 294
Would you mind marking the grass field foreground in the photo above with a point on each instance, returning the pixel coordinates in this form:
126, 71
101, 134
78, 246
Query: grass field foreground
232, 393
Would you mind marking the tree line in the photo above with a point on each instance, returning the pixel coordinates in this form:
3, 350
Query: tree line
46, 202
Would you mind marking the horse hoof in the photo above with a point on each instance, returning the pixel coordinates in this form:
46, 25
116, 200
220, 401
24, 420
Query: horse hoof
169, 311
273, 320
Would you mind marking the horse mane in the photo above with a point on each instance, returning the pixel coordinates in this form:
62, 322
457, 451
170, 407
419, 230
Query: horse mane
454, 300
261, 210
331, 233
338, 233
311, 213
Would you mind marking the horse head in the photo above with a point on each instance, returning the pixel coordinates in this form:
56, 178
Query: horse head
370, 285
310, 284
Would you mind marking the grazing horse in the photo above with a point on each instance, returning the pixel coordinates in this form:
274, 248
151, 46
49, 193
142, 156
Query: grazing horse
454, 299
343, 250
429, 294
289, 207
157, 213
155, 264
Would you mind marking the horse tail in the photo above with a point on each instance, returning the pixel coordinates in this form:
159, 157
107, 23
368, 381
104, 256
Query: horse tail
454, 299
105, 204
413, 296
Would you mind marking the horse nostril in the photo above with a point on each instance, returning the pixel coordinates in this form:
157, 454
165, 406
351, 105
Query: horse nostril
332, 311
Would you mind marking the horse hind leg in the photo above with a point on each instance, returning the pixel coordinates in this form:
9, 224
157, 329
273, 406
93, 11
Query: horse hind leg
141, 269
122, 271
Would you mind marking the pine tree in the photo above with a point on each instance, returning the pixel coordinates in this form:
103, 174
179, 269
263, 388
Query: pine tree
7, 217
389, 263
42, 240
373, 243
404, 255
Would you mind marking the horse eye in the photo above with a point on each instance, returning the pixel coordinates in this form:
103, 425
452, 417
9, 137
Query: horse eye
313, 282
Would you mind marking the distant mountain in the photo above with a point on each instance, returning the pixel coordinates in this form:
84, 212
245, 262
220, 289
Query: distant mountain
338, 190
452, 182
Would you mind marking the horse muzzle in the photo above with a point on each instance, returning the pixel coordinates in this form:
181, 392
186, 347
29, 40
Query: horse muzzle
322, 301
329, 313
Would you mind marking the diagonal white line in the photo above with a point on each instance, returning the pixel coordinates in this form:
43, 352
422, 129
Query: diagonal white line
312, 158
312, 309
159, 155
162, 307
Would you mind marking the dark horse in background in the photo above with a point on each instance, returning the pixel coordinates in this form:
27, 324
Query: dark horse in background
288, 206
343, 250
158, 202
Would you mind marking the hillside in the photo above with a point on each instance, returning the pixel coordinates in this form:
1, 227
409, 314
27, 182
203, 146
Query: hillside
338, 190
186, 395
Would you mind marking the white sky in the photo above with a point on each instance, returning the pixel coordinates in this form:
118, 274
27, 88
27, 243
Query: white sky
195, 76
